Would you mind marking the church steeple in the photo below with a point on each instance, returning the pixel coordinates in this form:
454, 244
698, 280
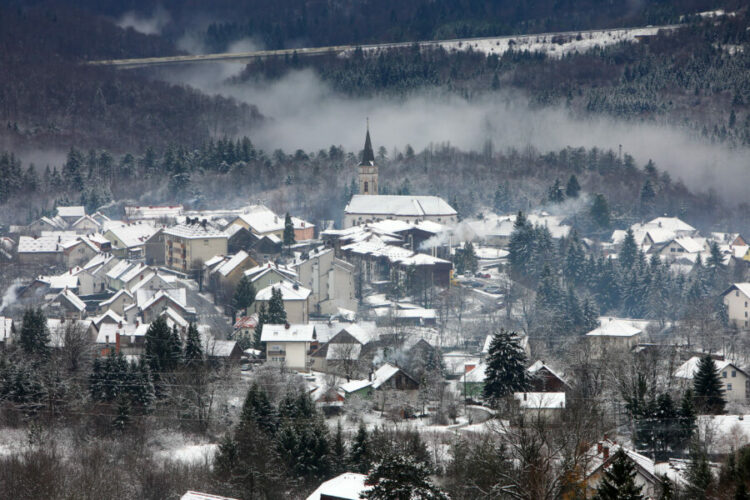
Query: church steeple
368, 156
368, 171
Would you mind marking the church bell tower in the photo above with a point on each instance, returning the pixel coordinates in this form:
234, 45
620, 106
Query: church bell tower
368, 171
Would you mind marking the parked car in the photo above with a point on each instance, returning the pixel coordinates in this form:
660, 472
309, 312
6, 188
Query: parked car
483, 275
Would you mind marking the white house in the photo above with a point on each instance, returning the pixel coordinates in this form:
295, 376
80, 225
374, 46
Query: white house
347, 486
736, 299
288, 345
733, 379
295, 297
615, 334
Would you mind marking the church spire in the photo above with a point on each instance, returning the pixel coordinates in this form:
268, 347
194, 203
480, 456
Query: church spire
368, 157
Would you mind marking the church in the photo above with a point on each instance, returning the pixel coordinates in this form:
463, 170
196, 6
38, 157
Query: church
369, 206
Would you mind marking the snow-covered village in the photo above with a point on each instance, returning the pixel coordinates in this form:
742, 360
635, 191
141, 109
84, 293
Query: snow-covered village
407, 251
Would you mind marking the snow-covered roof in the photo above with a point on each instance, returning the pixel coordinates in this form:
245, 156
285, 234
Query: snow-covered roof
134, 272
196, 230
540, 400
671, 223
41, 244
152, 211
614, 327
384, 374
174, 317
742, 287
262, 219
132, 235
256, 272
72, 211
246, 322
301, 223
220, 348
355, 385
415, 313
347, 486
476, 374
289, 291
539, 365
66, 280
691, 245
72, 299
411, 206
231, 264
109, 313
689, 368
119, 269
287, 333
196, 495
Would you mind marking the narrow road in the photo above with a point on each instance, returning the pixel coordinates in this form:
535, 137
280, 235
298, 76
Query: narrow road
457, 44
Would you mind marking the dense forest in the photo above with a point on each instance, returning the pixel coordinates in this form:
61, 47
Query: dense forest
49, 99
293, 23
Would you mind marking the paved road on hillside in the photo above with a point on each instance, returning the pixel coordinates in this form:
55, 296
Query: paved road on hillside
245, 57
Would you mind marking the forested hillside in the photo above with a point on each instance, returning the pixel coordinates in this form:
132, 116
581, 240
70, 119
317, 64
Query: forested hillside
694, 77
49, 99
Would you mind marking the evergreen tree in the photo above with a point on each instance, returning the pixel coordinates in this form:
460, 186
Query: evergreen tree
687, 419
600, 211
648, 197
398, 477
628, 253
521, 247
555, 193
572, 189
122, 419
338, 451
276, 314
34, 334
193, 348
257, 411
244, 295
618, 482
159, 345
506, 367
288, 231
709, 393
699, 475
501, 200
469, 257
262, 320
359, 454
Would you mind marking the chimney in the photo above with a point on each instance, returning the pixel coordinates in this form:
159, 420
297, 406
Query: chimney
286, 325
119, 324
605, 450
369, 376
599, 448
524, 396
117, 342
106, 339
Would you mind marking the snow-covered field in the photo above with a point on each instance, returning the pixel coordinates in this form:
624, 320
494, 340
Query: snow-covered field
552, 44
724, 433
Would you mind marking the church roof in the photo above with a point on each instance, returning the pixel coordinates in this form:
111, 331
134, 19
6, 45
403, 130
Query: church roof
368, 156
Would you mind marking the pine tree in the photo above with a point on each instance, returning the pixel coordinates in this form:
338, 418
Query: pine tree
506, 367
159, 345
276, 314
709, 393
555, 193
288, 231
193, 348
600, 211
244, 295
699, 475
339, 452
648, 196
398, 477
628, 253
359, 454
34, 334
258, 411
572, 189
122, 419
618, 482
174, 353
262, 320
501, 200
469, 257
687, 419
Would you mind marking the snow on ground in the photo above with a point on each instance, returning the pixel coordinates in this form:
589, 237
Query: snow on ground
12, 441
724, 432
177, 447
554, 45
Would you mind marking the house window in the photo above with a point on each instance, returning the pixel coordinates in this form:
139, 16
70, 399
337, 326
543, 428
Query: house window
724, 374
729, 387
205, 243
745, 303
672, 250
737, 293
746, 314
734, 373
366, 186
